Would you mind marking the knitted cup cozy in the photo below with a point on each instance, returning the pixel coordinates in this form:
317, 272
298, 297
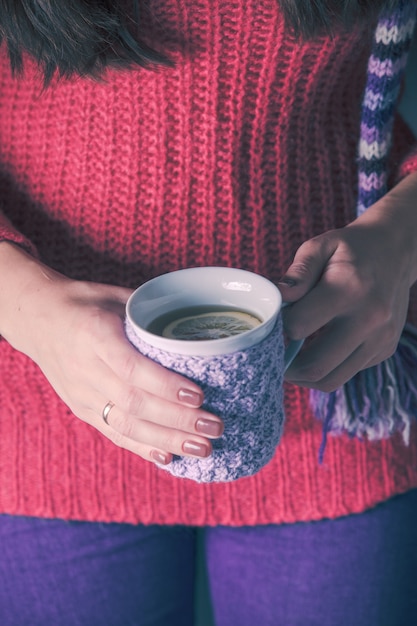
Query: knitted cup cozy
245, 388
383, 399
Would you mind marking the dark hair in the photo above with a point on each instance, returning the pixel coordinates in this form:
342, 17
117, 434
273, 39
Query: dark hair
85, 36
74, 36
309, 18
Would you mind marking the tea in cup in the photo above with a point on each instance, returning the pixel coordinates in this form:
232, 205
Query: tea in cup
222, 328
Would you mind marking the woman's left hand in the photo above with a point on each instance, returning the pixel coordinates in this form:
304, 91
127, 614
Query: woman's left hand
350, 290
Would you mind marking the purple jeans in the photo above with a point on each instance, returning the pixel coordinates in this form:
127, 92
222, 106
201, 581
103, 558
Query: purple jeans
360, 570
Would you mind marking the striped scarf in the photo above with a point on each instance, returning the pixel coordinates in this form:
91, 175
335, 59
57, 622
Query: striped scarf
379, 400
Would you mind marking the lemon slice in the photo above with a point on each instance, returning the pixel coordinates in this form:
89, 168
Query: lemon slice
213, 325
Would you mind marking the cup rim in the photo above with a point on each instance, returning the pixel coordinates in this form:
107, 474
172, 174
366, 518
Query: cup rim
209, 347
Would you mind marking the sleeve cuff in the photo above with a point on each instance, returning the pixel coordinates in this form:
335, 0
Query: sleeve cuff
9, 233
404, 152
409, 164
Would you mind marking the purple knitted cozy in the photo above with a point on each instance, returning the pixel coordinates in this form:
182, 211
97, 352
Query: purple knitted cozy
245, 388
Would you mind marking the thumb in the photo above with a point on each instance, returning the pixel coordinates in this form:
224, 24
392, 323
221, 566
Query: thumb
307, 267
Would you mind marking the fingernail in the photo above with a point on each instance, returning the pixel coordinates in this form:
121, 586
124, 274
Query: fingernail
287, 282
189, 396
160, 457
195, 449
209, 427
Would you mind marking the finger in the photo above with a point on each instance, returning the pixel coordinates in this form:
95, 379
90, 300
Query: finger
334, 354
307, 267
334, 296
119, 427
314, 311
135, 402
101, 382
356, 362
140, 371
139, 403
147, 452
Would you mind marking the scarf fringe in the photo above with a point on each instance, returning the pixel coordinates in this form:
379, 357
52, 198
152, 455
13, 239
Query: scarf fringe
377, 402
380, 400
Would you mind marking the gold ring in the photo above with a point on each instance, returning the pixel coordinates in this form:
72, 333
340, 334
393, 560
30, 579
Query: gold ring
106, 411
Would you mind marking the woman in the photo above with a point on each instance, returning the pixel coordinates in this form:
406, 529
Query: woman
166, 135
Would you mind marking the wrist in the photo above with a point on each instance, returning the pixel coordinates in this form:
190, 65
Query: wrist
23, 283
395, 217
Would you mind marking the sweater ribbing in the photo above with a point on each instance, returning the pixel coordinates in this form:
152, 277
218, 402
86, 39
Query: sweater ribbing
243, 150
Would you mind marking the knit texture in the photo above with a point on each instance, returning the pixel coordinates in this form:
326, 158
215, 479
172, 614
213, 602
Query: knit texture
246, 389
386, 68
382, 399
243, 150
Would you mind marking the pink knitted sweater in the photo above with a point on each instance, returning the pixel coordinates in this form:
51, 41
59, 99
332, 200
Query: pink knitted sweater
235, 156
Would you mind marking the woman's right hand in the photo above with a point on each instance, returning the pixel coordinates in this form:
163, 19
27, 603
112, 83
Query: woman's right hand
74, 331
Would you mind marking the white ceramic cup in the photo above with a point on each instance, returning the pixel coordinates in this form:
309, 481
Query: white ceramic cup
207, 286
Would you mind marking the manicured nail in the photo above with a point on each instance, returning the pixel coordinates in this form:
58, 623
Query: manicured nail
189, 396
209, 427
195, 448
287, 282
160, 457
